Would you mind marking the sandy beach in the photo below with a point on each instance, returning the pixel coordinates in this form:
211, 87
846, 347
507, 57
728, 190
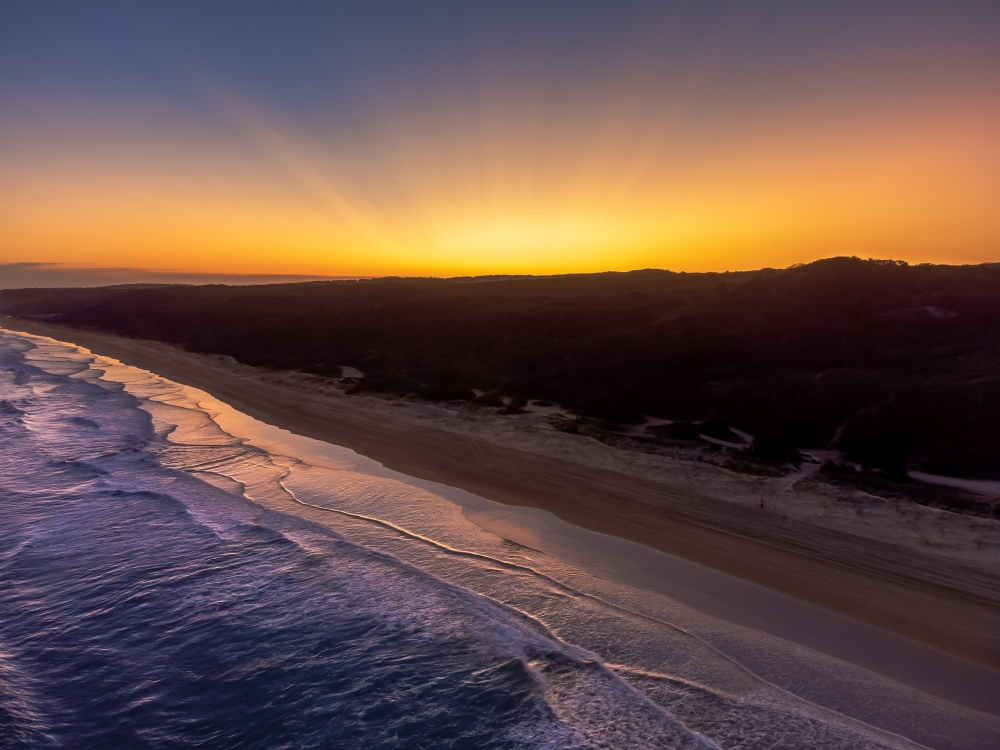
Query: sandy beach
918, 572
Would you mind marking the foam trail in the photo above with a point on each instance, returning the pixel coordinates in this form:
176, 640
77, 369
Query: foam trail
267, 564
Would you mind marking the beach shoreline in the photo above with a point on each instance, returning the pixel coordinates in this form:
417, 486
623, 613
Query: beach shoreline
942, 591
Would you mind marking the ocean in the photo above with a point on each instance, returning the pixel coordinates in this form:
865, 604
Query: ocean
174, 573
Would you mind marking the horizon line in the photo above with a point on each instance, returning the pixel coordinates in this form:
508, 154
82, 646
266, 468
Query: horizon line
61, 276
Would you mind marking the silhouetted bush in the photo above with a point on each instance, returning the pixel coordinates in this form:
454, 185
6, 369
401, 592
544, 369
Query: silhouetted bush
765, 448
833, 467
675, 431
611, 415
515, 405
884, 452
446, 393
384, 384
719, 431
489, 399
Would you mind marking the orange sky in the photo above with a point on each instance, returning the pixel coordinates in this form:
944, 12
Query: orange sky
504, 181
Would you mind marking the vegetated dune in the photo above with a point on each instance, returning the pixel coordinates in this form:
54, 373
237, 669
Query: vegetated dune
897, 365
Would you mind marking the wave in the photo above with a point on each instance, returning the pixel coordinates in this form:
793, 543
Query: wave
229, 583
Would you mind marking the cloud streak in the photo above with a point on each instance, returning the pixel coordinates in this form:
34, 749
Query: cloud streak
55, 275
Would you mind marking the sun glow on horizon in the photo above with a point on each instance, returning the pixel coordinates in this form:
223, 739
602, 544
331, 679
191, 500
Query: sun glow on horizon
287, 204
611, 174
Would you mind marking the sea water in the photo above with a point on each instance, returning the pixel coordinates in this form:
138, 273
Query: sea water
176, 574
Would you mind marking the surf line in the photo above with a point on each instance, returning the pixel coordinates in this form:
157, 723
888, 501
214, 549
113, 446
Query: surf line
96, 364
582, 594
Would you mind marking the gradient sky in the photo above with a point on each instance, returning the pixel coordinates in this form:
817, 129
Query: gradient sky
464, 138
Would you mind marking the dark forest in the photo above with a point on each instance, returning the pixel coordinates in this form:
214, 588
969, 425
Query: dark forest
888, 362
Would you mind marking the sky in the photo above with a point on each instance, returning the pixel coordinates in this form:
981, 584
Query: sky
183, 140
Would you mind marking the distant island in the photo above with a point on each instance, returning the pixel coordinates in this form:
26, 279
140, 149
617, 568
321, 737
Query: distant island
895, 366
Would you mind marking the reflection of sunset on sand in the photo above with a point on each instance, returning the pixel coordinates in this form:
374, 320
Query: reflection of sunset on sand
558, 376
917, 571
684, 622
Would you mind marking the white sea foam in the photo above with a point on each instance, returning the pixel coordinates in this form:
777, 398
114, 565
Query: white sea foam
623, 666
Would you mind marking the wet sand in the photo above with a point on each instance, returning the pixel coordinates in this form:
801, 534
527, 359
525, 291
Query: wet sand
924, 574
